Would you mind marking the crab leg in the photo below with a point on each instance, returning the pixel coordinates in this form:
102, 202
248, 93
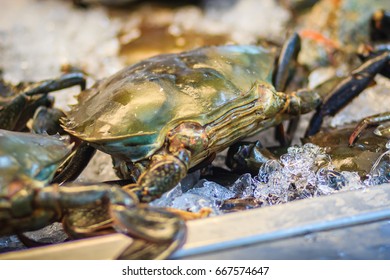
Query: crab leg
286, 64
152, 224
10, 115
162, 176
88, 209
75, 164
47, 120
371, 120
247, 157
42, 206
27, 102
251, 156
348, 89
368, 52
169, 167
65, 81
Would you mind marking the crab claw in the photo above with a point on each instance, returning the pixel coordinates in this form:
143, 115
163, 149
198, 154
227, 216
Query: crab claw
153, 224
348, 89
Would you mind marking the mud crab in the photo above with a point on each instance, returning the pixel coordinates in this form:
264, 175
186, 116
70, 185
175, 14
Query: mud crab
170, 113
31, 101
28, 201
333, 31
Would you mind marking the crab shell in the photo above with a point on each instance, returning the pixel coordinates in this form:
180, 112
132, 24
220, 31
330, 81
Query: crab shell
33, 157
221, 88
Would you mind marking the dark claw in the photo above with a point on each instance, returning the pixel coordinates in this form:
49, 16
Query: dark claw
315, 123
285, 137
65, 81
47, 120
285, 67
19, 103
287, 61
75, 165
247, 156
347, 90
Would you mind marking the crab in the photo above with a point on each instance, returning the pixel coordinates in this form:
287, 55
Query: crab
333, 31
28, 201
171, 113
31, 101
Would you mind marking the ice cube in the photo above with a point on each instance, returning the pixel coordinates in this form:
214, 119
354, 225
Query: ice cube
329, 181
380, 172
243, 186
166, 200
194, 203
268, 168
353, 181
203, 194
211, 190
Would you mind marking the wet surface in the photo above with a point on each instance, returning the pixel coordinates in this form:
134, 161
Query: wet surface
358, 158
101, 40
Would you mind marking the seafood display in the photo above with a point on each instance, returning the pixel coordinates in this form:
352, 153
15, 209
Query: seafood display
174, 112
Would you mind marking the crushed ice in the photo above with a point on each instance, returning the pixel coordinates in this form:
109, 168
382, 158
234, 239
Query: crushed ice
204, 194
302, 172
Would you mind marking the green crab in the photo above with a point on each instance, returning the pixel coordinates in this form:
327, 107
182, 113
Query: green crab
31, 101
171, 113
334, 31
28, 201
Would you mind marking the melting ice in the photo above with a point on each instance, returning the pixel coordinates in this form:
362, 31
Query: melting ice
302, 172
